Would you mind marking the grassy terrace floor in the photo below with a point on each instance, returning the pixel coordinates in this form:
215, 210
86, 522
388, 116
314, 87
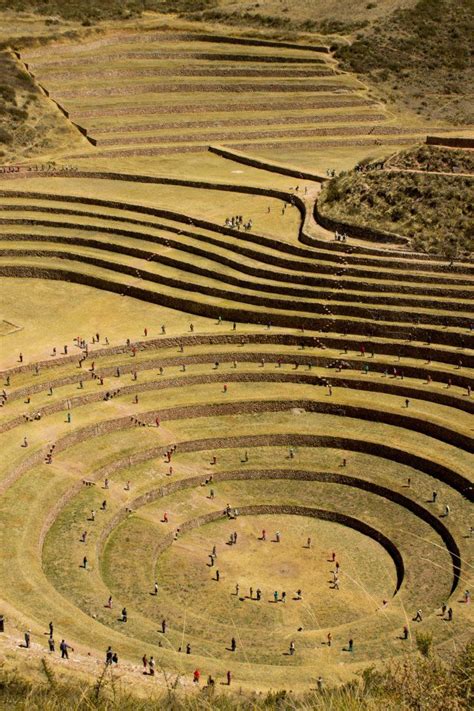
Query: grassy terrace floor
137, 75
59, 588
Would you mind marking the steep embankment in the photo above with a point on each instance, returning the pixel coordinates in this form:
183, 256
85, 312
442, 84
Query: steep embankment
30, 124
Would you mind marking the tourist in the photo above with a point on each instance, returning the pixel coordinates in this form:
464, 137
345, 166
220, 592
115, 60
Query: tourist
64, 647
108, 656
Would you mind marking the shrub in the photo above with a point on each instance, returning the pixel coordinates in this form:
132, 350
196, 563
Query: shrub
332, 192
424, 643
5, 136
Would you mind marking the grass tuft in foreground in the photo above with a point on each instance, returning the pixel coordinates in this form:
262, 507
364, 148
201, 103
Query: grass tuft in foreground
422, 682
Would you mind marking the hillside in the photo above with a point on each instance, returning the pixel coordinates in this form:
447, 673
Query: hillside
434, 159
237, 448
421, 58
30, 123
414, 53
433, 210
324, 15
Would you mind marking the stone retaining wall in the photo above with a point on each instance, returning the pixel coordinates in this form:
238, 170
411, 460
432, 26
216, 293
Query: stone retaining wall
363, 328
450, 142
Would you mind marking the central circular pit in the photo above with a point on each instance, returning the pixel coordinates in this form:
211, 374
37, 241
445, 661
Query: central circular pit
214, 599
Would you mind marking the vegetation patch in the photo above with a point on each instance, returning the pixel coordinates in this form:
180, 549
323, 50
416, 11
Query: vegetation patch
276, 21
435, 211
420, 682
420, 55
88, 11
434, 159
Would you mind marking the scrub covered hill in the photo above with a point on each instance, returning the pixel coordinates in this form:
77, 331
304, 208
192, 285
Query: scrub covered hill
433, 210
420, 56
315, 15
434, 159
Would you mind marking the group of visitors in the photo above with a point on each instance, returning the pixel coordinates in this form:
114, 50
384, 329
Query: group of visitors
237, 221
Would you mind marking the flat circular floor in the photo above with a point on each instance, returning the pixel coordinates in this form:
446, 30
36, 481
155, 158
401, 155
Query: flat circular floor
188, 581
